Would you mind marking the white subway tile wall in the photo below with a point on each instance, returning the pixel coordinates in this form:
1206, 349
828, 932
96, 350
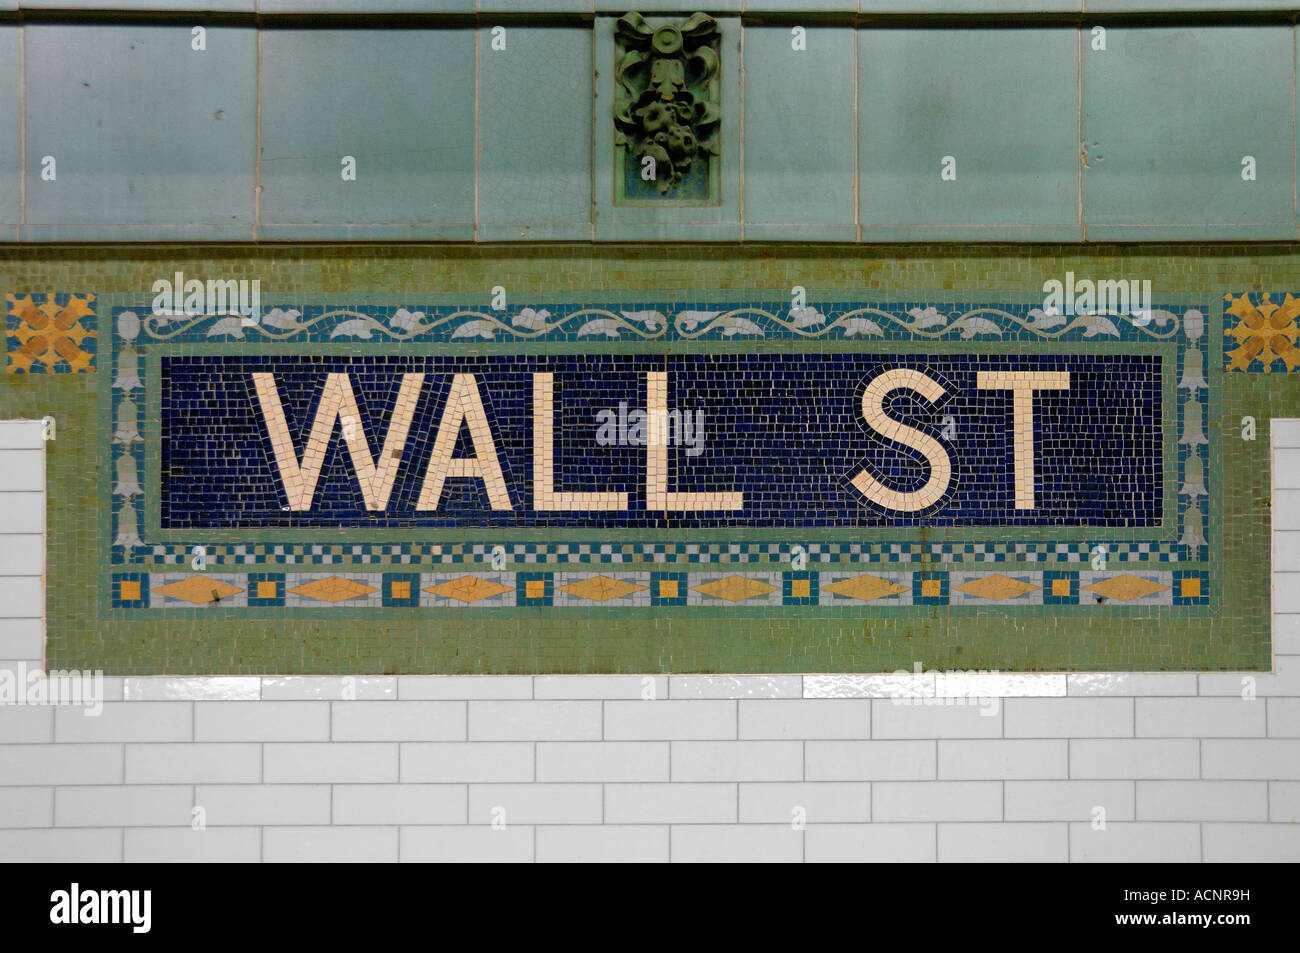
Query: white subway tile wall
929, 767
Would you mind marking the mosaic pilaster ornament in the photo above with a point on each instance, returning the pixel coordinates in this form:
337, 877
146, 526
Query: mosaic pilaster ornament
128, 528
128, 422
1265, 334
666, 109
128, 362
1193, 428
1193, 476
128, 476
1192, 537
50, 334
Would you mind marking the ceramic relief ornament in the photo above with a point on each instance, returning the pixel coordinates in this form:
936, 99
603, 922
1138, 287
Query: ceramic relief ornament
666, 106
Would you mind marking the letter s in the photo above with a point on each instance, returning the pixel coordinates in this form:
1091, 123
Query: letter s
873, 410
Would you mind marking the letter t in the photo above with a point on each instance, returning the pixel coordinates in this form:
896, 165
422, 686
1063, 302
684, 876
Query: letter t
1022, 385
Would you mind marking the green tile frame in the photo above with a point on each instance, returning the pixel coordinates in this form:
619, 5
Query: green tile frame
194, 642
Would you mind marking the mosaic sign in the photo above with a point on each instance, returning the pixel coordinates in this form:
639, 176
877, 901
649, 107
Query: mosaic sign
645, 462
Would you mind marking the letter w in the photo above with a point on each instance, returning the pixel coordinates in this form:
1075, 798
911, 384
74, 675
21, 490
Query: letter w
337, 400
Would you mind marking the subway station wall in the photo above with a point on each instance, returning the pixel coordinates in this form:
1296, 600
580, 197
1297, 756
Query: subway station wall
488, 125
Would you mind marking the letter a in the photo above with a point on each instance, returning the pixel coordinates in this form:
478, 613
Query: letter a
464, 405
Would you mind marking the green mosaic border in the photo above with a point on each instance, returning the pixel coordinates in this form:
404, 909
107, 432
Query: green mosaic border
1234, 637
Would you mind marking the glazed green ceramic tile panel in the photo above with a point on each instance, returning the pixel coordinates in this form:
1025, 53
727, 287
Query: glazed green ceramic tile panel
534, 177
1000, 102
150, 138
1170, 113
1232, 633
800, 6
214, 6
971, 6
366, 6
400, 102
799, 150
10, 123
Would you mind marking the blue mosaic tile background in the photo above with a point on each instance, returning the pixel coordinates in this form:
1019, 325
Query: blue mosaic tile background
784, 429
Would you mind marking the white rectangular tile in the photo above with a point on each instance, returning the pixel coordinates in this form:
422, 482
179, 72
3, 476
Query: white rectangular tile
1068, 800
398, 720
193, 764
21, 434
1284, 802
261, 721
126, 721
813, 718
123, 806
22, 471
1283, 717
329, 688
342, 845
1038, 843
738, 843
870, 843
1200, 717
535, 803
451, 687
27, 764
638, 687
1130, 683
534, 720
26, 807
1252, 843
677, 803
822, 802
1202, 801
896, 685
606, 843
167, 688
1251, 759
735, 686
936, 801
1123, 758
21, 554
737, 761
603, 761
478, 844
61, 846
171, 845
670, 720
26, 724
970, 759
22, 639
915, 718
255, 805
871, 760
22, 512
1285, 681
999, 685
352, 762
1068, 717
21, 597
461, 761
399, 804
1136, 842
